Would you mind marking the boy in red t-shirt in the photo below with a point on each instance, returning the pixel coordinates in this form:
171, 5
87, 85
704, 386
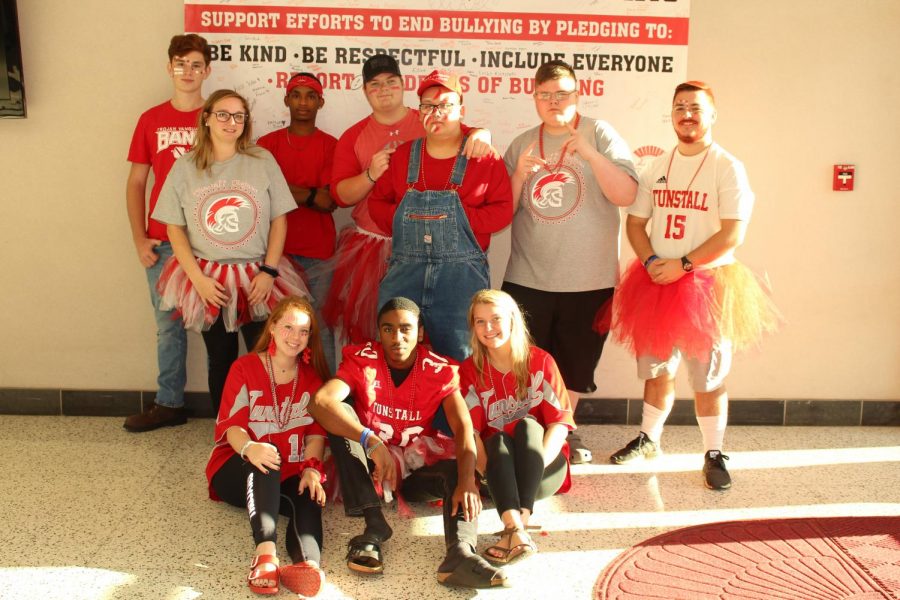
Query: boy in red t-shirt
163, 133
305, 155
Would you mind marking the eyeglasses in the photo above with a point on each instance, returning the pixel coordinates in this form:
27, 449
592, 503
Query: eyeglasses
558, 96
223, 116
185, 66
427, 109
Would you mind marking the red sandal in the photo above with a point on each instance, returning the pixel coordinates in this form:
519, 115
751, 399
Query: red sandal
303, 578
264, 566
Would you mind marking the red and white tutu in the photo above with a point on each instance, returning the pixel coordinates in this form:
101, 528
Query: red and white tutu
359, 266
177, 292
728, 302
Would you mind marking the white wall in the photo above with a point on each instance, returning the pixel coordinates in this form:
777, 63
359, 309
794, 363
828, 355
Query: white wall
800, 85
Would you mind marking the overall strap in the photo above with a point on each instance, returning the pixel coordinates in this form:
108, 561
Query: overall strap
415, 158
459, 167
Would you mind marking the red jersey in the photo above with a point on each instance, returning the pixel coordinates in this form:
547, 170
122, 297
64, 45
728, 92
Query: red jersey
247, 403
485, 192
161, 136
493, 404
305, 161
398, 415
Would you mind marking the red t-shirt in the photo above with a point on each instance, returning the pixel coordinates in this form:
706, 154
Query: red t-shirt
399, 415
305, 162
355, 149
493, 404
485, 191
247, 403
161, 136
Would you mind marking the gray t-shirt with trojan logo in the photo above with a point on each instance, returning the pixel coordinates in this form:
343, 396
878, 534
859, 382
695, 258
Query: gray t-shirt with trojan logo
565, 233
228, 207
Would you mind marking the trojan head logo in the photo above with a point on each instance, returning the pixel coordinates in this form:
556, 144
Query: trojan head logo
228, 218
548, 191
222, 216
555, 197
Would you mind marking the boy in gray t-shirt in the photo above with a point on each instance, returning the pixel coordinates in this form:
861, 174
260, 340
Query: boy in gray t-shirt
569, 177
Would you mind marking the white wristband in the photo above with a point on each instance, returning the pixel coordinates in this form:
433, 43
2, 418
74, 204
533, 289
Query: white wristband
244, 448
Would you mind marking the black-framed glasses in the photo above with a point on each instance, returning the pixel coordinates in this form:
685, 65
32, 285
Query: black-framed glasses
427, 109
558, 96
223, 116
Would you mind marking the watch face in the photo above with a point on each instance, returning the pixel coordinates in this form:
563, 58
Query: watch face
687, 265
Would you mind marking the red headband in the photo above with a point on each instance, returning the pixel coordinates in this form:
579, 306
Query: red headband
312, 83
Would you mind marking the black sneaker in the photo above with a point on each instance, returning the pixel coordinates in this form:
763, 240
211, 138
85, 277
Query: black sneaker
639, 447
578, 452
715, 475
155, 417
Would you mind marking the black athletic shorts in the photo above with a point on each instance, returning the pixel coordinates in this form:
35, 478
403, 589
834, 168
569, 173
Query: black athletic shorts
562, 323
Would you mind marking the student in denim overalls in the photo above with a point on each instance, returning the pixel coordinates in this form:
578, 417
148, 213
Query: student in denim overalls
441, 209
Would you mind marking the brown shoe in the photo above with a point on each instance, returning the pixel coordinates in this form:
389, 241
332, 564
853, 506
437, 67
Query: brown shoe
155, 417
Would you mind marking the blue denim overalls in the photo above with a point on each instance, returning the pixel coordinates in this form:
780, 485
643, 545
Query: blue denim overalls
436, 261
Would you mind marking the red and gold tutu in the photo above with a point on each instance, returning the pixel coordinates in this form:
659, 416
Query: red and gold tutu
177, 292
359, 267
728, 302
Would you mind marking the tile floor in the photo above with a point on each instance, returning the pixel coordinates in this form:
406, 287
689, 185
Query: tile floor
90, 511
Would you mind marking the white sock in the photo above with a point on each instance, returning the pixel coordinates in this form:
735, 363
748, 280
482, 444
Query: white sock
713, 431
652, 421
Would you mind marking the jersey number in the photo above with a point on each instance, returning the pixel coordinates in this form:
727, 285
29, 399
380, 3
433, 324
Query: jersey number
675, 226
387, 432
294, 441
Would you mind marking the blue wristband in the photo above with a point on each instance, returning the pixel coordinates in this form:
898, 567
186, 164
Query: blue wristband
649, 260
366, 433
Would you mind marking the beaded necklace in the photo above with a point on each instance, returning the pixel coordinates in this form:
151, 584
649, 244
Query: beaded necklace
391, 388
562, 153
490, 369
283, 413
449, 177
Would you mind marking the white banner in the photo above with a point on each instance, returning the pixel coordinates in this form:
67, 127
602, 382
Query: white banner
629, 56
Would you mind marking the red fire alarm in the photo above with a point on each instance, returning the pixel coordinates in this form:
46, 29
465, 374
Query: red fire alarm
843, 178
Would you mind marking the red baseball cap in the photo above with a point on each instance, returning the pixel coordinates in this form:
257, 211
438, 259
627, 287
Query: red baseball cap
304, 80
442, 78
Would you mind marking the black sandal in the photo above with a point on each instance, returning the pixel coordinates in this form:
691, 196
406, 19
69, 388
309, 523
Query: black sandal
474, 572
364, 554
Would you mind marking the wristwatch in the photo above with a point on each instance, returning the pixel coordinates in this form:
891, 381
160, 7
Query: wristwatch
687, 265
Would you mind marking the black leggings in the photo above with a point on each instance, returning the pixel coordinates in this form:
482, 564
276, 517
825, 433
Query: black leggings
241, 484
435, 482
515, 468
222, 350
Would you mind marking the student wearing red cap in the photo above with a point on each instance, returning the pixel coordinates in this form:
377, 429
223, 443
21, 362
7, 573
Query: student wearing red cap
441, 208
362, 156
305, 153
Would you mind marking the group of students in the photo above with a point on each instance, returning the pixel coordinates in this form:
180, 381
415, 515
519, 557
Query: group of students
483, 403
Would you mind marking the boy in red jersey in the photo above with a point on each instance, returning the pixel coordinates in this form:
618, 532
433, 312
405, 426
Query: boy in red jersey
397, 387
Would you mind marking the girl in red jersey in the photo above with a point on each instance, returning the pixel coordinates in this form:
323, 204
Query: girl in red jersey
268, 455
522, 414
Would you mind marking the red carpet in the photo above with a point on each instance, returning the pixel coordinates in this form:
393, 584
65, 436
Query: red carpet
781, 559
